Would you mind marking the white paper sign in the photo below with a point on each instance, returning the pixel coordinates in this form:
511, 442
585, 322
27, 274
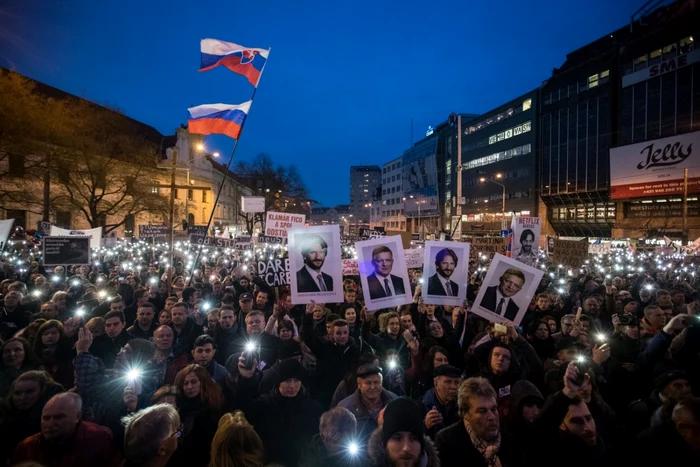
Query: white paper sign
526, 239
95, 233
445, 272
315, 265
277, 224
383, 272
5, 229
414, 258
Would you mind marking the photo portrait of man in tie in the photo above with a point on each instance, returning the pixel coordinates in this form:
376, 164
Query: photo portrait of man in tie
310, 278
382, 283
499, 298
440, 283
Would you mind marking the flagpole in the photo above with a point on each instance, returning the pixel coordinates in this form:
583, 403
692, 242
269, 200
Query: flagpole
228, 169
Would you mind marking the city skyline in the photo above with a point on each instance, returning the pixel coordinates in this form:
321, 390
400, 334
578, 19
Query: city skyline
325, 105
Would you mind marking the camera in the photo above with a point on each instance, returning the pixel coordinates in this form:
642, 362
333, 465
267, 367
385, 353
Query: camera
249, 355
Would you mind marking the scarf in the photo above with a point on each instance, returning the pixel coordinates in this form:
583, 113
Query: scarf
489, 451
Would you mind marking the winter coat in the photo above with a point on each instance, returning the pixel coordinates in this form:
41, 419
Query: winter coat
640, 411
185, 340
227, 343
90, 446
106, 348
376, 448
449, 412
366, 423
135, 331
199, 424
455, 449
662, 445
514, 424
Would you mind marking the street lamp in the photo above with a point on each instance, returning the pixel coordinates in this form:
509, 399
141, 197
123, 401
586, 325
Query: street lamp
503, 196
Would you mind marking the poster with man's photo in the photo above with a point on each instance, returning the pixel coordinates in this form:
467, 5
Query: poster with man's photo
383, 272
507, 290
526, 239
316, 270
445, 271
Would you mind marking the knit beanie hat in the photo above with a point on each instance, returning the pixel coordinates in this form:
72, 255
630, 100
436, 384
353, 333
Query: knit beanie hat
290, 368
402, 414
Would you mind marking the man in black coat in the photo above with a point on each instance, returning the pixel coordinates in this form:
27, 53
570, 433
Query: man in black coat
382, 283
499, 299
310, 278
440, 282
476, 440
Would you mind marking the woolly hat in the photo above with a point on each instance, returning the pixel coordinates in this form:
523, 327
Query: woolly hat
403, 414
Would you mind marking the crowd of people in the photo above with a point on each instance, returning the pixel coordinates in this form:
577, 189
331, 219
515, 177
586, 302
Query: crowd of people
102, 365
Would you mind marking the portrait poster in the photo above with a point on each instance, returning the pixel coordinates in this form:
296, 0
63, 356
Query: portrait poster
507, 290
315, 264
526, 239
383, 272
445, 272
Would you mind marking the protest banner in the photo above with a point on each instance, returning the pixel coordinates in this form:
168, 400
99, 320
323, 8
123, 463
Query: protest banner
262, 238
526, 239
366, 234
66, 250
278, 223
197, 230
252, 204
602, 248
488, 246
220, 242
570, 252
274, 272
5, 229
96, 234
414, 258
350, 267
156, 232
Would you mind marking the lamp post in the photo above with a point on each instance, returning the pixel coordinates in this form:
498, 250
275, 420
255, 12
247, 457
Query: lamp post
503, 196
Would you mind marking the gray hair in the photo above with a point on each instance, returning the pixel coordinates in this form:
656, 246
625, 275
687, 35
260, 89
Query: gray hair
336, 422
146, 430
473, 387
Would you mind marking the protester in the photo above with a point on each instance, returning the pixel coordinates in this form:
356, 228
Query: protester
151, 436
236, 443
17, 358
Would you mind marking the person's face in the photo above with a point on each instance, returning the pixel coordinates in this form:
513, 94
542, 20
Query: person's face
39, 281
678, 298
668, 314
631, 331
290, 387
403, 449
393, 327
169, 305
216, 287
59, 420
440, 359
164, 318
586, 391
84, 270
482, 417
246, 305
163, 339
406, 322
542, 303
50, 309
350, 315
542, 332
315, 257
447, 266
500, 360
350, 296
113, 327
678, 390
645, 295
567, 355
341, 335
13, 354
656, 318
50, 337
665, 300
191, 386
429, 310
203, 354
591, 306
329, 327
12, 299
244, 283
178, 315
383, 262
227, 319
446, 387
370, 386
119, 306
212, 318
631, 307
25, 394
254, 325
552, 326
510, 285
261, 299
285, 334
145, 316
529, 412
586, 326
436, 330
579, 422
527, 243
319, 312
179, 282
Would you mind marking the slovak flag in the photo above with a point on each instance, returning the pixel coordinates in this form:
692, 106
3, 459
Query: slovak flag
220, 119
242, 60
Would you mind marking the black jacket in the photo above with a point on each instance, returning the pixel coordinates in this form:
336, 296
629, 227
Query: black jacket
663, 446
185, 340
135, 331
455, 449
488, 301
107, 349
435, 286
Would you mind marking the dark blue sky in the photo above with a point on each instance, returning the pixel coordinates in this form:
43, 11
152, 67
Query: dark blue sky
343, 80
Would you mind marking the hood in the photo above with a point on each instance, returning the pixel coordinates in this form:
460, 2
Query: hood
521, 390
377, 451
484, 357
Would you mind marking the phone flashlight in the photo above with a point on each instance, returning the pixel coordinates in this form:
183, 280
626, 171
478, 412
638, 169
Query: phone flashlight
206, 306
581, 359
153, 280
420, 280
353, 448
56, 279
392, 364
75, 282
649, 287
133, 374
602, 337
36, 293
102, 294
80, 312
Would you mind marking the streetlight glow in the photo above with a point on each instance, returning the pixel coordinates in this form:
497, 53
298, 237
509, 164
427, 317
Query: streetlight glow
200, 147
215, 154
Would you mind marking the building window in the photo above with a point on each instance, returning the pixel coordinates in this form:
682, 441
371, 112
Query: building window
190, 195
655, 57
155, 189
592, 81
687, 44
527, 104
670, 51
204, 196
640, 62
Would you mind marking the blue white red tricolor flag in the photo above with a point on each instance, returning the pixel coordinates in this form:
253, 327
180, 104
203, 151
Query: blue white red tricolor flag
242, 60
220, 119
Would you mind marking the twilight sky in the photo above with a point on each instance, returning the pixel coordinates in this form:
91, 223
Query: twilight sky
343, 81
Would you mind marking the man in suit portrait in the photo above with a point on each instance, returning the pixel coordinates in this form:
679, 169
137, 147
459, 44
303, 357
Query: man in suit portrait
499, 298
310, 278
525, 253
382, 283
440, 282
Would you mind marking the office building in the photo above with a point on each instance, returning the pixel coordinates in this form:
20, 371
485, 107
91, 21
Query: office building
365, 180
391, 209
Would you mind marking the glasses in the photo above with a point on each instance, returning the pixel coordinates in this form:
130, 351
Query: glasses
178, 432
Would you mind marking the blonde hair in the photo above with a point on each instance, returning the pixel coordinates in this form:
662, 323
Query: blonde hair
236, 444
384, 320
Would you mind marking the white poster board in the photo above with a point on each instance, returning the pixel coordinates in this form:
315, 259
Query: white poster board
526, 239
95, 234
445, 272
383, 272
315, 264
277, 224
414, 258
5, 229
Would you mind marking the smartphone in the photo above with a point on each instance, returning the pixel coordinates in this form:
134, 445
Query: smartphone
121, 278
498, 327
